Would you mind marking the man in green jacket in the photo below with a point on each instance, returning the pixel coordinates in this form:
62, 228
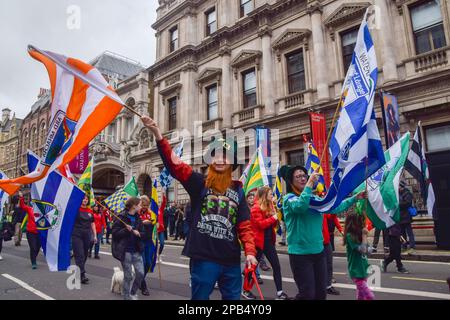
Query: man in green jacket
304, 232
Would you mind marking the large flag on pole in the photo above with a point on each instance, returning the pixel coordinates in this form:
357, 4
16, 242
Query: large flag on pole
116, 201
355, 145
417, 166
85, 183
246, 172
382, 187
165, 179
278, 189
154, 209
3, 197
257, 176
83, 104
313, 164
55, 202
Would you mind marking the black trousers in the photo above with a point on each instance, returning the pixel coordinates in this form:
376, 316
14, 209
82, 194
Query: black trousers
310, 275
81, 243
376, 238
35, 245
328, 250
395, 251
271, 254
1, 244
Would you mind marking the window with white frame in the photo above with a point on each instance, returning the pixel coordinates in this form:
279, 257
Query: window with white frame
249, 86
212, 102
211, 21
295, 71
246, 7
348, 39
427, 26
173, 39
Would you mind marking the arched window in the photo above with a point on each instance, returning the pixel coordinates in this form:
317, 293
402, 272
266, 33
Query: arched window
42, 133
25, 142
34, 138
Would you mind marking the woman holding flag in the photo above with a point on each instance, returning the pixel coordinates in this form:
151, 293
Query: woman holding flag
304, 232
84, 233
32, 232
264, 219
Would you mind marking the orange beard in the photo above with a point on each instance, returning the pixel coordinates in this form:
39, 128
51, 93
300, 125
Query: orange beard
218, 182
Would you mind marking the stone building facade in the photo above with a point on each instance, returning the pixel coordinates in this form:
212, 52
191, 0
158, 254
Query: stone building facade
9, 142
238, 63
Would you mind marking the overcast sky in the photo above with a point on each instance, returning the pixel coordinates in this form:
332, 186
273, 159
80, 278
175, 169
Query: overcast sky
119, 26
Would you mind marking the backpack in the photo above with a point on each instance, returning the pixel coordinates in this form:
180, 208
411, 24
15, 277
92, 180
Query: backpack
412, 211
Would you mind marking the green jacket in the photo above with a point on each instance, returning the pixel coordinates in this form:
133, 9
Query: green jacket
357, 261
304, 225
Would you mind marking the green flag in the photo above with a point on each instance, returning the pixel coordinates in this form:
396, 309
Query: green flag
85, 183
382, 187
131, 188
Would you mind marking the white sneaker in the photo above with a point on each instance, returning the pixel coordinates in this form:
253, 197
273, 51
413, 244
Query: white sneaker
1, 258
134, 297
190, 283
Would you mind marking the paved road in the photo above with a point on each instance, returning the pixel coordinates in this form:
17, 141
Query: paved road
18, 281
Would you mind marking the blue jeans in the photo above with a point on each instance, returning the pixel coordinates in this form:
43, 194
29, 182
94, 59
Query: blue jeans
161, 238
205, 274
407, 230
147, 256
131, 259
97, 245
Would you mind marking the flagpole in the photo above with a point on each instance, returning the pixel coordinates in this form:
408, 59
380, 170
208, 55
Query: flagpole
132, 110
112, 212
325, 148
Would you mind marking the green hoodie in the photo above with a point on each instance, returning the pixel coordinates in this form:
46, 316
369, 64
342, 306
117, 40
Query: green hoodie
304, 225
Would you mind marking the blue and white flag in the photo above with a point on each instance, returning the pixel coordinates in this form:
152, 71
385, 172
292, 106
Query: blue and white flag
3, 196
165, 179
55, 202
355, 146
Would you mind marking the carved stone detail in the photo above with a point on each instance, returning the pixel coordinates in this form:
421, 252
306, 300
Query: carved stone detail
246, 57
290, 38
172, 79
346, 12
209, 74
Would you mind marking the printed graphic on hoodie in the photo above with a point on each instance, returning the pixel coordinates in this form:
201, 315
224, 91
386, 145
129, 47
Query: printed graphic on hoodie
219, 215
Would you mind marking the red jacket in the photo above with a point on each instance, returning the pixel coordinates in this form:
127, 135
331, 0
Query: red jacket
99, 220
260, 223
31, 224
161, 227
325, 231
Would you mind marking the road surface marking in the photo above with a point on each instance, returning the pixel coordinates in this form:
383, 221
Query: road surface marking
27, 287
420, 279
353, 287
404, 261
105, 253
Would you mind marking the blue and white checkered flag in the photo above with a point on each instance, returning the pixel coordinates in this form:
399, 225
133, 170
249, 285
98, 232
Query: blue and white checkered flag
3, 196
165, 179
355, 146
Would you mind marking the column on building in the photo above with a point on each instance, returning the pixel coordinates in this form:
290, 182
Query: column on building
387, 44
320, 60
190, 25
123, 132
188, 106
118, 130
224, 13
226, 82
267, 71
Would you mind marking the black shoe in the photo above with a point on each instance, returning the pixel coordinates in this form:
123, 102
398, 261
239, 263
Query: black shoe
374, 250
282, 243
97, 257
264, 267
260, 281
282, 296
248, 295
402, 270
333, 291
90, 255
84, 280
145, 292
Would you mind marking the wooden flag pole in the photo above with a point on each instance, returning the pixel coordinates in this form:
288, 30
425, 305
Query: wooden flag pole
132, 110
109, 210
325, 148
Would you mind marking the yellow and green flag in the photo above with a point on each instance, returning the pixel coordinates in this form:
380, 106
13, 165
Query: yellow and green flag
85, 183
257, 174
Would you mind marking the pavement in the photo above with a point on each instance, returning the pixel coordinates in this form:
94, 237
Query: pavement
426, 281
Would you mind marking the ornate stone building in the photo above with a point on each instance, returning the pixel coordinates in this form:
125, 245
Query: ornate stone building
238, 63
9, 142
